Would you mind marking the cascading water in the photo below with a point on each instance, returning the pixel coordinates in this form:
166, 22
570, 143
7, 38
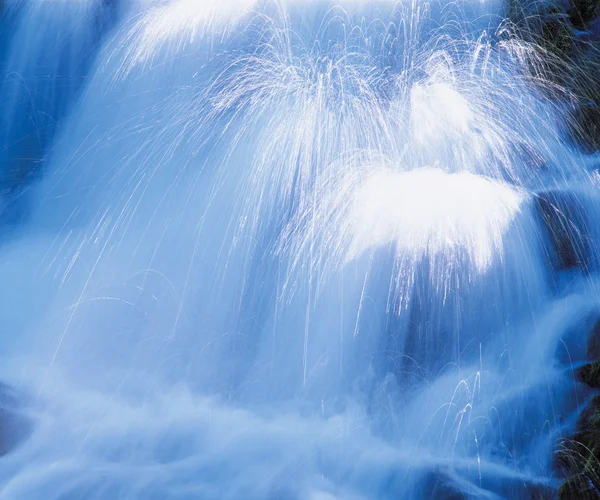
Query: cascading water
44, 63
287, 249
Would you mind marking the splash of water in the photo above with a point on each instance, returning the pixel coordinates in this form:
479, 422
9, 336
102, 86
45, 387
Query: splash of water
288, 250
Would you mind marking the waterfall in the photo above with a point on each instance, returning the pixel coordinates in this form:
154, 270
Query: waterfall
285, 249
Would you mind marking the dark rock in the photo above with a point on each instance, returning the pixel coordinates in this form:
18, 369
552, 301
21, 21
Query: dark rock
567, 34
556, 34
582, 12
584, 88
578, 457
563, 216
578, 487
586, 119
568, 60
580, 341
593, 344
589, 426
590, 374
547, 25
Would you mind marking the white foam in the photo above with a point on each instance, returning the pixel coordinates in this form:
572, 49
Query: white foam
428, 211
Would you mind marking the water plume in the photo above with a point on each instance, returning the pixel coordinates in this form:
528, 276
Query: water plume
284, 249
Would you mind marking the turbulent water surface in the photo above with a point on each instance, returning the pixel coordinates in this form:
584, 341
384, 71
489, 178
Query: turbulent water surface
287, 249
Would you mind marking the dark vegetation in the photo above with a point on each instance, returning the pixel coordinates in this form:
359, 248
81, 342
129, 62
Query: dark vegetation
578, 455
567, 34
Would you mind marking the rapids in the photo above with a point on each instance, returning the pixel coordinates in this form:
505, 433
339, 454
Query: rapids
286, 249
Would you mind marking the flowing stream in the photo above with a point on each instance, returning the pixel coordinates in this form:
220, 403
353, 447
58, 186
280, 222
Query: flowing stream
288, 249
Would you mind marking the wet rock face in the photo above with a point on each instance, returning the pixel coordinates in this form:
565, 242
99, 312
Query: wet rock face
568, 37
580, 343
578, 457
551, 29
578, 487
582, 12
590, 374
15, 427
584, 348
548, 26
593, 343
587, 118
557, 36
563, 217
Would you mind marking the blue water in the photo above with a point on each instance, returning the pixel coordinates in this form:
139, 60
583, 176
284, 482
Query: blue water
288, 250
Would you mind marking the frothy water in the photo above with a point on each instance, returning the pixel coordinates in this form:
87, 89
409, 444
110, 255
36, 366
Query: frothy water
284, 249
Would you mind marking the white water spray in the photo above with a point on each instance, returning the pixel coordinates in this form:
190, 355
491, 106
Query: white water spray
288, 250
